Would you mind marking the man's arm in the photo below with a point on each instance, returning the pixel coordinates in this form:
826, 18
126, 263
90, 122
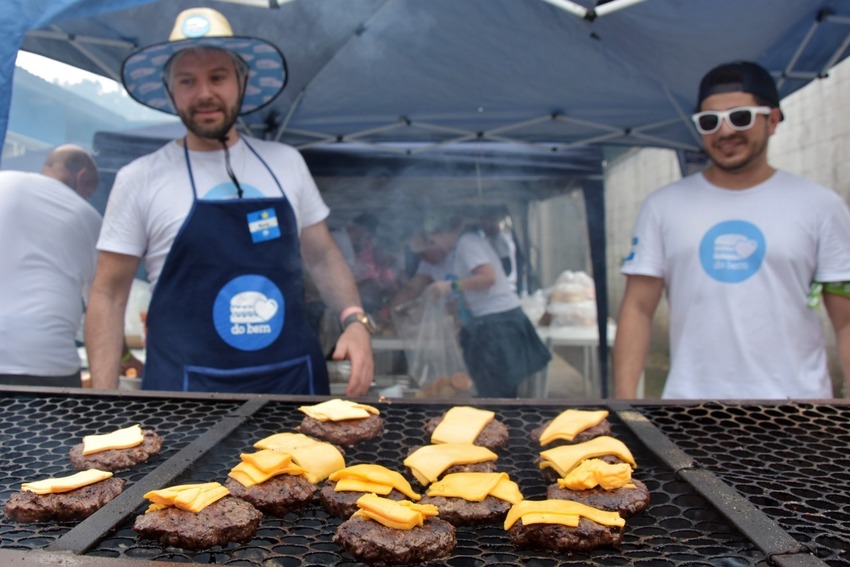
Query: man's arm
104, 329
337, 288
838, 309
633, 330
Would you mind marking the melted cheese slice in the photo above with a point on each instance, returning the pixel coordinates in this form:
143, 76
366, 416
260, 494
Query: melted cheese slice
372, 478
399, 515
564, 512
566, 457
596, 472
259, 467
339, 410
189, 497
121, 439
462, 424
570, 423
429, 462
317, 458
476, 486
66, 483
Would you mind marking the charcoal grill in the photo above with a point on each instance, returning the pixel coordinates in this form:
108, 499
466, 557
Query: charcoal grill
732, 484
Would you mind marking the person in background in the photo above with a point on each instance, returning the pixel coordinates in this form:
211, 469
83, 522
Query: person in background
48, 263
736, 248
500, 345
371, 265
500, 238
225, 227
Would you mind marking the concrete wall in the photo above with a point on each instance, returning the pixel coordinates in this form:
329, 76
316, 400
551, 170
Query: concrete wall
813, 141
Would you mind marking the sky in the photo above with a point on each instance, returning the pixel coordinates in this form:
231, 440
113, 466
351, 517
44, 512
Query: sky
57, 72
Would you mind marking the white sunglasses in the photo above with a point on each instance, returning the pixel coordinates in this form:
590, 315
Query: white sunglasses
738, 118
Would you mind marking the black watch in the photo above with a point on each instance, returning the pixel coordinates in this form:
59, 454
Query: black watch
359, 318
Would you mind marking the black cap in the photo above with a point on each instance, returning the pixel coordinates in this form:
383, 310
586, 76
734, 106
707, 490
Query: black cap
741, 76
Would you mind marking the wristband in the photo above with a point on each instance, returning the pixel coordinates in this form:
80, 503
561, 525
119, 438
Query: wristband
348, 311
456, 285
127, 357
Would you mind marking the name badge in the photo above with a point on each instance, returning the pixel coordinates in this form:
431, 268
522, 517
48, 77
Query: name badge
263, 225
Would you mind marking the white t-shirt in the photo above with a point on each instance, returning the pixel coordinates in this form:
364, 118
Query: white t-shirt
505, 248
737, 266
47, 264
153, 195
470, 252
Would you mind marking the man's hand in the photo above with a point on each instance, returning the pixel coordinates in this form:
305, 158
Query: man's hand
355, 345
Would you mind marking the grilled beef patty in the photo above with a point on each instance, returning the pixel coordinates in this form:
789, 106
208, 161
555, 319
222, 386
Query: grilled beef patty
344, 504
347, 432
493, 436
563, 539
276, 496
75, 504
598, 430
228, 519
626, 501
460, 512
117, 459
374, 543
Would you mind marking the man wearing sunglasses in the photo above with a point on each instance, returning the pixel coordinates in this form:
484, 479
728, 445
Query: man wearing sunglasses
736, 247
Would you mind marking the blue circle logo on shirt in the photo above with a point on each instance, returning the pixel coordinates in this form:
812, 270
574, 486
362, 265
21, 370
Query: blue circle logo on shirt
732, 251
248, 312
227, 190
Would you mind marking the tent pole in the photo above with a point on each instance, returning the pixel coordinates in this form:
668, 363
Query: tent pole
594, 205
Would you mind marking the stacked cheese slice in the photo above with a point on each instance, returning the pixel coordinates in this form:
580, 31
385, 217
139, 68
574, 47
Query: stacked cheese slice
317, 458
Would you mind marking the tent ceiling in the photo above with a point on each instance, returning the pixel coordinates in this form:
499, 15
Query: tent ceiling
551, 75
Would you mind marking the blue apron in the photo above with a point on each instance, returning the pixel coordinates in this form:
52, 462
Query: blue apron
228, 312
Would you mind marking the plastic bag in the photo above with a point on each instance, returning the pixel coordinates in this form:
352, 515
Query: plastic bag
572, 301
434, 357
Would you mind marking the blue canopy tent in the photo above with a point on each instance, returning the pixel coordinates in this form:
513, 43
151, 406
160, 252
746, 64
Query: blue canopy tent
396, 79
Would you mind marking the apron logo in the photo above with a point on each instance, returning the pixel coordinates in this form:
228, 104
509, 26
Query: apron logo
263, 225
248, 312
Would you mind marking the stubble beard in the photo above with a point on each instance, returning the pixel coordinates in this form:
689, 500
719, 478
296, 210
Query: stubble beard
754, 153
213, 131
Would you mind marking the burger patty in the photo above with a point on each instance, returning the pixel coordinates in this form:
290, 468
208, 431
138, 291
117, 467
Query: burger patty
75, 504
493, 436
563, 539
598, 430
227, 519
376, 544
344, 503
626, 501
347, 432
276, 496
117, 459
460, 512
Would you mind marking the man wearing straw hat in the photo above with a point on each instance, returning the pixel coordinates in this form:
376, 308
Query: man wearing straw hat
222, 224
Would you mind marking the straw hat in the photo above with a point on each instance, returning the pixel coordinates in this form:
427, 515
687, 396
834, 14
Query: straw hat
142, 71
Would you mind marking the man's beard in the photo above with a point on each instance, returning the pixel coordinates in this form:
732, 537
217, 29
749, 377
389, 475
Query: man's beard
212, 132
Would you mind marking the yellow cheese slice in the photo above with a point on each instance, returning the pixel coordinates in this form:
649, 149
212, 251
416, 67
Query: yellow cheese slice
121, 439
66, 483
476, 486
359, 485
400, 515
591, 473
189, 497
553, 511
429, 462
373, 475
317, 458
570, 423
566, 457
259, 467
339, 410
462, 424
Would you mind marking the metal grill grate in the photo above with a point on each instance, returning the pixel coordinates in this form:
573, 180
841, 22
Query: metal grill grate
679, 528
792, 461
